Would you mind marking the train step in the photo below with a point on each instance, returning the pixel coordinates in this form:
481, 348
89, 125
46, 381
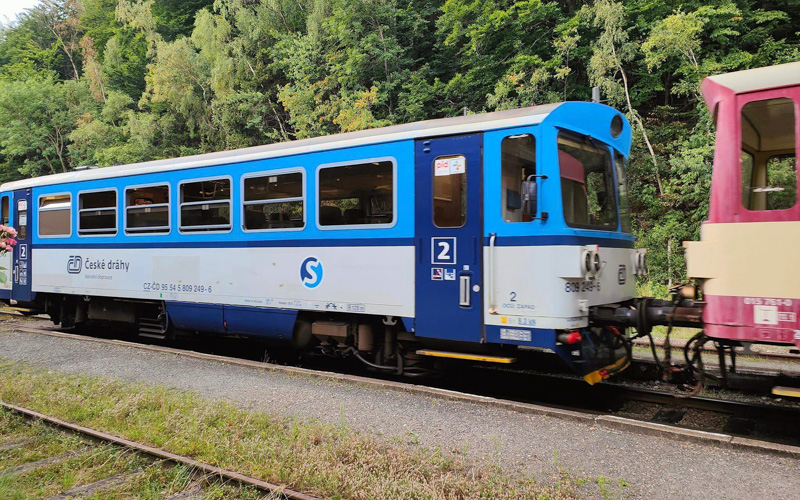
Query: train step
153, 335
791, 392
154, 328
465, 356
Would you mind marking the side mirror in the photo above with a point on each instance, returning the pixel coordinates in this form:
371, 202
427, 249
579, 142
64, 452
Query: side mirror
529, 200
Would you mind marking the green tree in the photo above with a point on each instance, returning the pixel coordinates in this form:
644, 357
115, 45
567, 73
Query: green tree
38, 116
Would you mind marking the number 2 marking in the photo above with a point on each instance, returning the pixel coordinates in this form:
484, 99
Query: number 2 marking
445, 253
513, 296
443, 250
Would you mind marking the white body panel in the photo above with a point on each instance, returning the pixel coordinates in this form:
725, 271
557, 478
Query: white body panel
534, 286
370, 280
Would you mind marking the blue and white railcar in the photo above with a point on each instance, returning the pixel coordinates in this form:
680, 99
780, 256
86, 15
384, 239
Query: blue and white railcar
463, 237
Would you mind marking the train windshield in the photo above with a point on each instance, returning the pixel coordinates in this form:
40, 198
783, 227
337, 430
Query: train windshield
622, 193
588, 189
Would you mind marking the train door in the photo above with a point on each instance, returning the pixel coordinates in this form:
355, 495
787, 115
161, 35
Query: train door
6, 260
448, 229
21, 290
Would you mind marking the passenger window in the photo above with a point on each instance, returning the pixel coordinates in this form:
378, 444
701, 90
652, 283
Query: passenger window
55, 215
4, 210
768, 160
518, 159
147, 209
206, 205
273, 201
358, 194
587, 182
622, 192
450, 191
97, 213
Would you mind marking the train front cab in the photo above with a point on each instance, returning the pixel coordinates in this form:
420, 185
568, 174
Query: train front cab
747, 254
556, 237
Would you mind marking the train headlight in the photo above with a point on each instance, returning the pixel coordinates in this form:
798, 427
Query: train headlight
591, 265
586, 262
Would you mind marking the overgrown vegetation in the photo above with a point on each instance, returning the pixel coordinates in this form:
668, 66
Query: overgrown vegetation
78, 462
329, 461
108, 82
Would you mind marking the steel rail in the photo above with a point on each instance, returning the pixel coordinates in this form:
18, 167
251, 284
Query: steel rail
159, 453
707, 404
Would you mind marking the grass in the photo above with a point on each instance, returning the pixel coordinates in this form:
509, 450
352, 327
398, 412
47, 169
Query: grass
148, 479
309, 456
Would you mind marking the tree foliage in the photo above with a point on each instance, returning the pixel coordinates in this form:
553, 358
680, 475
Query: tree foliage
118, 81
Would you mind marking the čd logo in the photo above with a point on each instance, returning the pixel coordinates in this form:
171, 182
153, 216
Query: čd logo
74, 264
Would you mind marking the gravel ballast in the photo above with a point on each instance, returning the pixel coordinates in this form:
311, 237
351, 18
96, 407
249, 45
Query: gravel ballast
654, 467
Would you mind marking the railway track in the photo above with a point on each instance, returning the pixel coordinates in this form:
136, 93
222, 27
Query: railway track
101, 462
757, 421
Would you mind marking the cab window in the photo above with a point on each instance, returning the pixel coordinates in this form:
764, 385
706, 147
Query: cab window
769, 158
588, 190
518, 159
622, 192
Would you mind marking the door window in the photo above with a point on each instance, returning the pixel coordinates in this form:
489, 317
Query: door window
450, 191
768, 159
22, 219
4, 210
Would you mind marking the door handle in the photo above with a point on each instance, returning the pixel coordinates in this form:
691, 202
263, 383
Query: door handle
464, 288
16, 271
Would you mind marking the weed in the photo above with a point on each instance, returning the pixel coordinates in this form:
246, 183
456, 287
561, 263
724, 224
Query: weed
306, 455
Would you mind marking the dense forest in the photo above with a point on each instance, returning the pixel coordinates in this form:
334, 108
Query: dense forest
110, 82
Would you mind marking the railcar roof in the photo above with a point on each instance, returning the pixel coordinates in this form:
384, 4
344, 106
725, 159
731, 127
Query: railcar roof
429, 128
768, 77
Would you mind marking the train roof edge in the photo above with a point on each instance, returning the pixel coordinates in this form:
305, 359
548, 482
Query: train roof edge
718, 87
532, 115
